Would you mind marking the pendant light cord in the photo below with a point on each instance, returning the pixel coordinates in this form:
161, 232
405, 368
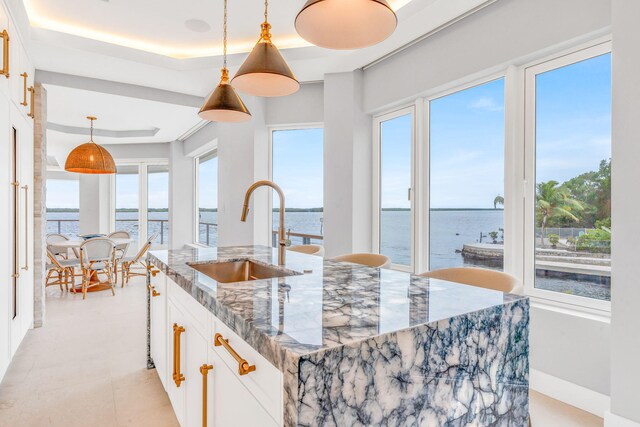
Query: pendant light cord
224, 38
266, 10
265, 34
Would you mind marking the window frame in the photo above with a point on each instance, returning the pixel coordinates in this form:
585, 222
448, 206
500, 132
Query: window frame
530, 71
143, 205
196, 194
271, 130
377, 187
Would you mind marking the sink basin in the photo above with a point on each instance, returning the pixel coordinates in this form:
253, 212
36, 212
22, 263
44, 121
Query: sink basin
239, 271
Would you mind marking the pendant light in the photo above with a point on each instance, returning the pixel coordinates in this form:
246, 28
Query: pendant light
90, 158
265, 72
340, 24
224, 104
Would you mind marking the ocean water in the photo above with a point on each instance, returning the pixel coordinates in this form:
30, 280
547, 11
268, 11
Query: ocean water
449, 231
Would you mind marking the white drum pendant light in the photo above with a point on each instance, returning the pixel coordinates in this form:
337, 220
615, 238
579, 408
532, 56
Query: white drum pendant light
346, 24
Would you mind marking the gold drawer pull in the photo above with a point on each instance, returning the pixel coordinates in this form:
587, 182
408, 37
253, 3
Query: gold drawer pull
177, 375
151, 270
204, 370
155, 293
243, 366
5, 53
24, 89
32, 113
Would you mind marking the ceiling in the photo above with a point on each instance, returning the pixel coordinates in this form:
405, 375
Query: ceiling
176, 46
178, 29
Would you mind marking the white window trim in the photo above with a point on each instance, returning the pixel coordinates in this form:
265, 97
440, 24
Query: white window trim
376, 185
271, 130
577, 304
196, 195
143, 167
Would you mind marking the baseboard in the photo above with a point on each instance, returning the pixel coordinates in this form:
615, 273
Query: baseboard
613, 420
570, 393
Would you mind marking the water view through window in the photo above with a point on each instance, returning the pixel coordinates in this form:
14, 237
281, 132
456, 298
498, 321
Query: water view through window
573, 178
466, 141
297, 156
63, 206
127, 200
158, 203
208, 199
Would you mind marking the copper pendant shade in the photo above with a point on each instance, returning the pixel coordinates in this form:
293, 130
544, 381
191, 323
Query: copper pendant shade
224, 104
265, 72
90, 158
340, 24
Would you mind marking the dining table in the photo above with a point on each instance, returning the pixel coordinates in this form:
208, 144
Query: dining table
94, 282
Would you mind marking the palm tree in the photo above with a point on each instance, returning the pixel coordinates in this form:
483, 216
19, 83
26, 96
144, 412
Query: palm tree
554, 201
499, 200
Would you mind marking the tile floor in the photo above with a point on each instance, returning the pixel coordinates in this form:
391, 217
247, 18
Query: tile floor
87, 367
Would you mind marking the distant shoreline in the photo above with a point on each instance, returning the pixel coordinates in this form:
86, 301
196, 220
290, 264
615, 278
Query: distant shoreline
67, 210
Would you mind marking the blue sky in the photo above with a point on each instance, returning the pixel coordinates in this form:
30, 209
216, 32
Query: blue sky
573, 130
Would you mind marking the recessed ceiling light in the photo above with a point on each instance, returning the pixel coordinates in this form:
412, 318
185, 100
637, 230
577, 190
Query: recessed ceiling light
197, 25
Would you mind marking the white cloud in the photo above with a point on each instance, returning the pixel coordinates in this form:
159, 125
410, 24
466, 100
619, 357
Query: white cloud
486, 103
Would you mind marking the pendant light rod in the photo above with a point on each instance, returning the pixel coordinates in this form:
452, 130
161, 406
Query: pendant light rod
91, 118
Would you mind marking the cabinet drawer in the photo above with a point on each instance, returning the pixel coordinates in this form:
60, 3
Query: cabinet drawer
200, 315
265, 383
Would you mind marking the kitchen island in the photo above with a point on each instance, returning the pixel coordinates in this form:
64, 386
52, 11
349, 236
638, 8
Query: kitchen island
353, 345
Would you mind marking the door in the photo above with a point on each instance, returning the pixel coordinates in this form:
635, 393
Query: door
175, 361
195, 356
159, 349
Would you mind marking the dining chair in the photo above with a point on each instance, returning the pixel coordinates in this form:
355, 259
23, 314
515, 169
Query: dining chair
97, 256
121, 249
137, 261
65, 270
308, 249
58, 251
371, 260
480, 277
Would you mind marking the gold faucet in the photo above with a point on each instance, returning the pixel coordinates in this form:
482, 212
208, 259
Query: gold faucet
282, 241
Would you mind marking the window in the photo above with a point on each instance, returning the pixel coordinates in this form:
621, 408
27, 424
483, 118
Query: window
141, 200
466, 178
158, 203
63, 206
127, 188
207, 183
569, 160
393, 160
297, 167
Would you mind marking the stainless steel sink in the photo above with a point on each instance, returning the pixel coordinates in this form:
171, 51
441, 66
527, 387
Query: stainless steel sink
239, 271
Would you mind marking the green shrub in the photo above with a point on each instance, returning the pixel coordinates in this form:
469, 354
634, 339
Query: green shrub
596, 241
554, 239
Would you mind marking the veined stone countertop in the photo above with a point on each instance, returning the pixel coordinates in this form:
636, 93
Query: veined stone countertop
451, 351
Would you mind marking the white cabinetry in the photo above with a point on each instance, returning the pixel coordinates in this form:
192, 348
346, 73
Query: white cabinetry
231, 399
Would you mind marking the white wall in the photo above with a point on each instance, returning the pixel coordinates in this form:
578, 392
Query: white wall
95, 203
138, 151
575, 349
304, 106
181, 197
625, 339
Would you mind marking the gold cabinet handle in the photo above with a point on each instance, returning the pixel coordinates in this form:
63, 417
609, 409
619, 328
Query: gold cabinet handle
243, 366
24, 88
26, 227
5, 54
153, 291
177, 375
204, 370
33, 98
16, 242
152, 270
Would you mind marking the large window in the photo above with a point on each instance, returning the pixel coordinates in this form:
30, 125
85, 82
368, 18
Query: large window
63, 206
207, 183
158, 203
141, 200
127, 189
466, 183
393, 162
569, 147
297, 167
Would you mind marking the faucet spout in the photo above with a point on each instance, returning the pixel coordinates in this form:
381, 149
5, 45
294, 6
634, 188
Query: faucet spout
283, 242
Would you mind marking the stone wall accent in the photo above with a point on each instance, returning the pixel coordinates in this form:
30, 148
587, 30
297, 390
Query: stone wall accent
39, 203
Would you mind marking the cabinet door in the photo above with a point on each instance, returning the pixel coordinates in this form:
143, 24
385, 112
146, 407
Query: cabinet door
176, 393
195, 356
4, 25
159, 325
233, 405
